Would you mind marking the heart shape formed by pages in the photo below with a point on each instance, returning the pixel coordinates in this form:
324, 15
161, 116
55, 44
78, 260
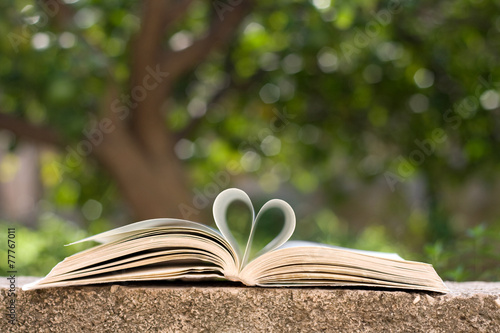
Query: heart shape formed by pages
227, 197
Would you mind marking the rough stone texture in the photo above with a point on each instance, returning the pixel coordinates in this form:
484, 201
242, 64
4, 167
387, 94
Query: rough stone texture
221, 307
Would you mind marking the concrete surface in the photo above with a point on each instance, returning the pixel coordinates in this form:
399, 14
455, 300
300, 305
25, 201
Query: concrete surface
222, 307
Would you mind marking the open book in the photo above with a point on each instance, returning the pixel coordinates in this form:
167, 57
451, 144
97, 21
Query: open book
172, 249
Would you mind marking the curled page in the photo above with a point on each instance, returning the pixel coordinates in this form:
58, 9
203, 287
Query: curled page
222, 202
117, 233
285, 233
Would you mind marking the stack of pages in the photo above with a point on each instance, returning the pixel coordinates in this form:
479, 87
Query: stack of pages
173, 249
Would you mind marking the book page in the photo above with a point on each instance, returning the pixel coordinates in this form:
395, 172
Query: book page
231, 195
299, 243
117, 233
173, 245
298, 264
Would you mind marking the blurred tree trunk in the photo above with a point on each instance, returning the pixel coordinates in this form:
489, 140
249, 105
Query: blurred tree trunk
131, 139
150, 178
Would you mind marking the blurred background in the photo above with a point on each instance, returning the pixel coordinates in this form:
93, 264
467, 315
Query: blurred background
378, 121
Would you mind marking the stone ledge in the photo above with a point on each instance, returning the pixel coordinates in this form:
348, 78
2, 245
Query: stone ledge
220, 307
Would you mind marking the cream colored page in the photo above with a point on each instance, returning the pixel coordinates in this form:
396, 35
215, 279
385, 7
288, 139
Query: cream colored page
298, 243
229, 196
117, 233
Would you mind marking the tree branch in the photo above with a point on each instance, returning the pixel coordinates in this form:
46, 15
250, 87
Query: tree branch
61, 12
23, 129
146, 121
149, 62
221, 30
62, 16
157, 16
195, 122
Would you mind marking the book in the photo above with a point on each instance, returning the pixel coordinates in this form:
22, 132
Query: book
175, 249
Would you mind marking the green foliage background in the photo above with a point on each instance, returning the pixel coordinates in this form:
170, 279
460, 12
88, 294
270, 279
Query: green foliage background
356, 100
